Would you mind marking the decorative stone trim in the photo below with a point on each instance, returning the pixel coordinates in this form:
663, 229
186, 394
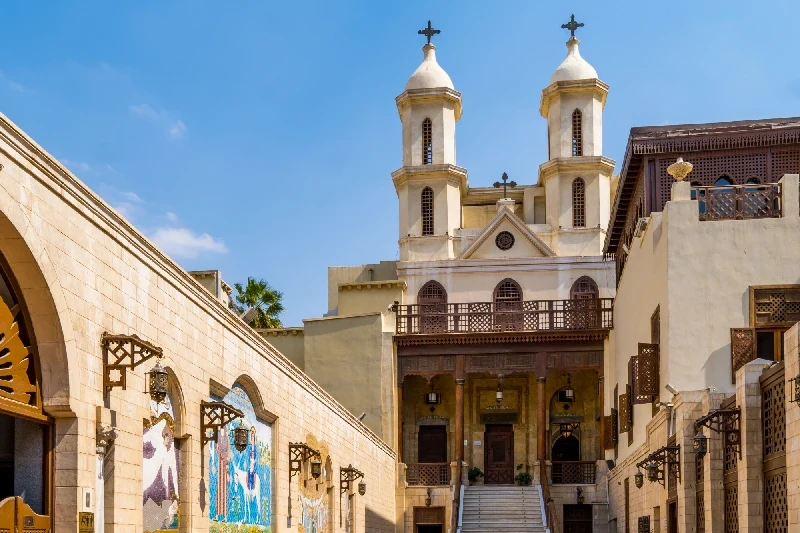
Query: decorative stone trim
594, 85
408, 96
576, 164
368, 285
280, 332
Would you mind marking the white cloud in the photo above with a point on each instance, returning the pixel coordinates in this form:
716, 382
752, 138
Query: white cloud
77, 166
132, 196
126, 209
172, 217
172, 125
11, 84
183, 243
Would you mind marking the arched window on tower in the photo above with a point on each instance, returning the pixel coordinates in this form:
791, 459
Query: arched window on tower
508, 306
577, 133
427, 211
427, 142
578, 203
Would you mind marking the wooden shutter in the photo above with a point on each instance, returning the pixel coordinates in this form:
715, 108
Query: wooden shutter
624, 412
645, 373
743, 348
609, 435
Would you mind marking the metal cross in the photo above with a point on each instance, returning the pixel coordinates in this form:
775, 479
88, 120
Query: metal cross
505, 184
429, 32
572, 25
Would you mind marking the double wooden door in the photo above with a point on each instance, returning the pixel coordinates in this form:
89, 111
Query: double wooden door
499, 454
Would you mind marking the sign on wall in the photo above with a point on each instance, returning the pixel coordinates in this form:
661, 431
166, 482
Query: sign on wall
240, 482
160, 468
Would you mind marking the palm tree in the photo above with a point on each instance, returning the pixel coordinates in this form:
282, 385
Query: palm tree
266, 300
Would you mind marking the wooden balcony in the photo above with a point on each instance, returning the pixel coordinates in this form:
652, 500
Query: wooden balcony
573, 472
490, 317
739, 202
428, 474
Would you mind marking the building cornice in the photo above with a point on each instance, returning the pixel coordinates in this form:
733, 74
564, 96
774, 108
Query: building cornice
280, 332
599, 88
500, 338
413, 96
369, 285
52, 175
490, 195
413, 268
557, 165
425, 173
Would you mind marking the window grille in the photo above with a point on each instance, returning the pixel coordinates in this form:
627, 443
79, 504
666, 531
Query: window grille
427, 142
427, 211
577, 137
507, 292
432, 293
584, 289
578, 203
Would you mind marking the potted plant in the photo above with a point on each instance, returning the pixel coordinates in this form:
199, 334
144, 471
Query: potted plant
523, 479
475, 476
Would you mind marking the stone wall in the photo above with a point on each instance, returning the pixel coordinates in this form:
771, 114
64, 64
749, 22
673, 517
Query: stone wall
84, 270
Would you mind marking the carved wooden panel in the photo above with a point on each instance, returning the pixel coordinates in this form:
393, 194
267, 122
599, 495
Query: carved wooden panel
775, 504
19, 391
609, 435
731, 508
743, 348
773, 413
645, 367
428, 515
775, 306
591, 359
426, 366
624, 412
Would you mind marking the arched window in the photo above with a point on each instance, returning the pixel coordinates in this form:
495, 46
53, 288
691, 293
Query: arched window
723, 181
578, 203
427, 142
508, 306
427, 211
754, 180
432, 302
577, 136
584, 288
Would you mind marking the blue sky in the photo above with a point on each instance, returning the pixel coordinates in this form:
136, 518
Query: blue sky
258, 138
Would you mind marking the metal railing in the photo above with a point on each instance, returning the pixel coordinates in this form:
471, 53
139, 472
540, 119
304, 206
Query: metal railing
573, 472
739, 202
428, 474
487, 317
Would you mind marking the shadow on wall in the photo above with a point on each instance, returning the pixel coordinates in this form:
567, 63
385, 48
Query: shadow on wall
375, 522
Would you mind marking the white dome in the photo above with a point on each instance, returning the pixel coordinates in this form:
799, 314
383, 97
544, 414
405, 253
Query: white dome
574, 67
429, 75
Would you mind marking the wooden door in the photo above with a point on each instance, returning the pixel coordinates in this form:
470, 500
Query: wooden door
577, 519
499, 454
16, 515
432, 444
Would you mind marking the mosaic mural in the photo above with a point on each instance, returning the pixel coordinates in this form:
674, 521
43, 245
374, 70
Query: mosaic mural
240, 483
314, 495
160, 469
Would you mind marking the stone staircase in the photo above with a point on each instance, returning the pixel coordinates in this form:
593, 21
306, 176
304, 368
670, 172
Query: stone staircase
502, 509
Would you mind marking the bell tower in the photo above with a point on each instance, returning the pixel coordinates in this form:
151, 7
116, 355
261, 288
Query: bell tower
576, 177
429, 185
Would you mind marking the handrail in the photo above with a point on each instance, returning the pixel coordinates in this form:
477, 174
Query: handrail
542, 507
739, 202
550, 506
460, 509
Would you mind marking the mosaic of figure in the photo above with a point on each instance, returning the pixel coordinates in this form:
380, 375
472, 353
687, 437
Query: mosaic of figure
160, 465
314, 495
240, 482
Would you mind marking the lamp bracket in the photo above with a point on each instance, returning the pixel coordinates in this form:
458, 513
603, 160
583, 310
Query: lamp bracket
299, 453
667, 456
346, 476
214, 415
725, 421
121, 352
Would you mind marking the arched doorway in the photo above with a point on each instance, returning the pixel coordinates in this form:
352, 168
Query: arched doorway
25, 429
584, 303
566, 449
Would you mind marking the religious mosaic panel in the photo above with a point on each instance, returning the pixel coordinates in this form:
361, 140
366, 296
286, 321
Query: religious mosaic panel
314, 495
160, 469
240, 482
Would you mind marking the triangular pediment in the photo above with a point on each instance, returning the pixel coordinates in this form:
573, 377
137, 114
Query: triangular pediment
491, 245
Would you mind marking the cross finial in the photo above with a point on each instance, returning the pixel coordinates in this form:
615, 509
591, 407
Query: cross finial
572, 25
505, 184
429, 32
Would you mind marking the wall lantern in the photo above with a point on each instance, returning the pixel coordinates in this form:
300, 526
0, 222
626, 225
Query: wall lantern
700, 444
498, 396
796, 396
638, 479
158, 381
214, 415
241, 437
428, 498
349, 474
316, 469
121, 352
433, 397
299, 453
725, 421
664, 459
566, 430
362, 487
652, 471
569, 392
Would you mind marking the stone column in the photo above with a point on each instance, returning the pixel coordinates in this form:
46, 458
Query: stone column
749, 472
791, 343
541, 430
459, 444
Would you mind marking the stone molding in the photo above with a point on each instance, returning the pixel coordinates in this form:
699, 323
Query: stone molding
425, 173
507, 214
412, 96
52, 175
595, 163
280, 332
594, 85
368, 285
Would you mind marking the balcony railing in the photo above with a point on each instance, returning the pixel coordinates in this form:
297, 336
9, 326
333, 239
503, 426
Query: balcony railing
573, 472
487, 317
428, 474
739, 202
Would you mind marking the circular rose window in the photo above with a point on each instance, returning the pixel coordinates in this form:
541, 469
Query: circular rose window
504, 240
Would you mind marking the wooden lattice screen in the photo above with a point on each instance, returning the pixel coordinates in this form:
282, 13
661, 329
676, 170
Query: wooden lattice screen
700, 500
624, 412
775, 306
644, 524
610, 430
773, 423
629, 392
743, 348
643, 371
